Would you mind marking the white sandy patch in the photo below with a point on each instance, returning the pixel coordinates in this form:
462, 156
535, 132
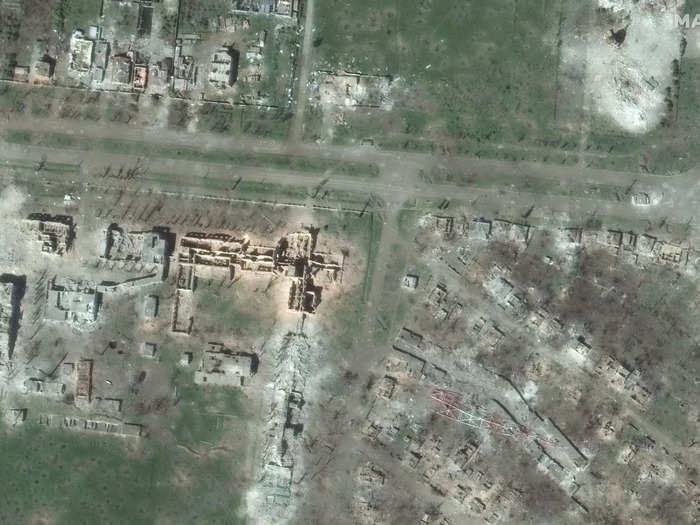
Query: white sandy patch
627, 83
14, 253
530, 391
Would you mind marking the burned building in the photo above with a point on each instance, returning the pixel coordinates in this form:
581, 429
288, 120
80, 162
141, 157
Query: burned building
140, 79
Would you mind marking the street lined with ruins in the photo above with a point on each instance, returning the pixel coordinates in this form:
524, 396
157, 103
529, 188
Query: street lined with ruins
273, 262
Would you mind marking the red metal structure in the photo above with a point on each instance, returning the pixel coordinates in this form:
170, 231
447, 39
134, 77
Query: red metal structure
449, 405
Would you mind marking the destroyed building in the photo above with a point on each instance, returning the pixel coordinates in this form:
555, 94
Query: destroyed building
83, 385
223, 68
40, 387
277, 484
15, 416
480, 229
101, 55
354, 90
53, 233
294, 257
122, 69
150, 306
147, 247
149, 350
140, 79
91, 426
44, 69
160, 74
77, 379
184, 71
410, 281
11, 289
183, 306
74, 302
287, 8
506, 231
81, 51
20, 74
221, 366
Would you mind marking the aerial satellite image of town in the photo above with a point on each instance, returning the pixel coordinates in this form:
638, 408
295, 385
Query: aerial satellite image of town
349, 262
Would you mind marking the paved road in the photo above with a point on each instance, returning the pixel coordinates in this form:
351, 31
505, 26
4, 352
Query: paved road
399, 166
498, 184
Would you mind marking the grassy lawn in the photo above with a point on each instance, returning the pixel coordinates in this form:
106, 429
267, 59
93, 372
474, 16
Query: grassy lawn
69, 15
375, 237
472, 71
196, 14
69, 479
234, 120
228, 307
201, 409
537, 185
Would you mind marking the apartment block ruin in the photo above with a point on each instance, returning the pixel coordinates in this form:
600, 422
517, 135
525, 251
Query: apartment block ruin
223, 68
149, 247
81, 52
142, 250
53, 233
295, 257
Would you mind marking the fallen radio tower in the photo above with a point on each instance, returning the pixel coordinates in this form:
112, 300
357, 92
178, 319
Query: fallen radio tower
449, 405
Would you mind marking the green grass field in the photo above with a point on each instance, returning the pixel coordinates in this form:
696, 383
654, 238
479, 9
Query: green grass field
65, 478
470, 71
69, 15
482, 79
